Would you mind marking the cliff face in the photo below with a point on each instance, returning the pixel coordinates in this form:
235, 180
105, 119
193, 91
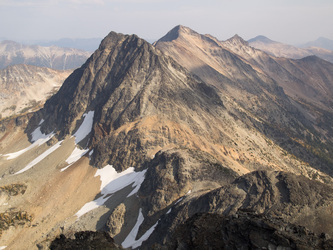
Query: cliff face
244, 231
265, 196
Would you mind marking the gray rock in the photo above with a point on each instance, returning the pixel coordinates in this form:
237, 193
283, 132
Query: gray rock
116, 220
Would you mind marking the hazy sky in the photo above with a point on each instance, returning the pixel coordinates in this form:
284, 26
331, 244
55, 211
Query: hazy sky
289, 21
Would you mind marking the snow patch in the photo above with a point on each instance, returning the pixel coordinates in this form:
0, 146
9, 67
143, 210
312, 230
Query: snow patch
130, 239
38, 138
90, 154
85, 127
40, 157
74, 157
41, 121
37, 135
113, 182
180, 199
82, 132
3, 247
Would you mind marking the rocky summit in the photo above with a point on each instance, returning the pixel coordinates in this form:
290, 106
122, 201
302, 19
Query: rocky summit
189, 143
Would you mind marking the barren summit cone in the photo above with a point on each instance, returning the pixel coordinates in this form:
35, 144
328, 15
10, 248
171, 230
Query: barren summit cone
142, 100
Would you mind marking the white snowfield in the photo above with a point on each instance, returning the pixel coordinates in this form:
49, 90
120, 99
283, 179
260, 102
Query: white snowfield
38, 138
113, 182
40, 157
130, 239
85, 127
82, 132
74, 157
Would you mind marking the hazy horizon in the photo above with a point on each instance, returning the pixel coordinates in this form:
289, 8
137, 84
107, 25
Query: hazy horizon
284, 21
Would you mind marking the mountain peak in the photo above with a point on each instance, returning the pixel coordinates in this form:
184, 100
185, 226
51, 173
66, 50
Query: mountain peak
261, 38
236, 39
176, 32
114, 38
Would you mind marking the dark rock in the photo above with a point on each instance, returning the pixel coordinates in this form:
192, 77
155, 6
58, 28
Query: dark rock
277, 195
85, 240
247, 231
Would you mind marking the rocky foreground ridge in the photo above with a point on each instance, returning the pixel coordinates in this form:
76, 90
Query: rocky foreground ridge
143, 139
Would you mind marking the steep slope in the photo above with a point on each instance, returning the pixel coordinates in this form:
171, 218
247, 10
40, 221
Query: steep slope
309, 78
12, 53
279, 196
25, 86
264, 87
288, 51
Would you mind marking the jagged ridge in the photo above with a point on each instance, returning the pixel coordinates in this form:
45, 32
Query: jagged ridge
128, 82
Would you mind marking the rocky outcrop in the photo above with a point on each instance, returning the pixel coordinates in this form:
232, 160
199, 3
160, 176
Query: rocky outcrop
85, 240
116, 220
244, 230
293, 199
176, 172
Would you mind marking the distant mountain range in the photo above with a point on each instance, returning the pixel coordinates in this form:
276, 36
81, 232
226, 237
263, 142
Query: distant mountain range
12, 53
88, 44
321, 42
26, 87
322, 48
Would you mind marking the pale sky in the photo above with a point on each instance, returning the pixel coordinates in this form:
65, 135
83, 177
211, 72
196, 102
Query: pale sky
288, 21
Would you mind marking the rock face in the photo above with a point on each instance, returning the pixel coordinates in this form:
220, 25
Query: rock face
244, 231
12, 53
85, 240
176, 172
116, 220
291, 198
